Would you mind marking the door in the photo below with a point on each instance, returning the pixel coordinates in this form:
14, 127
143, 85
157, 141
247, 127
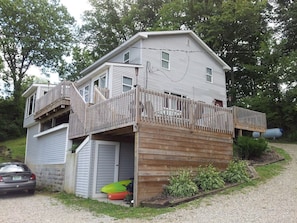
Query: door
106, 165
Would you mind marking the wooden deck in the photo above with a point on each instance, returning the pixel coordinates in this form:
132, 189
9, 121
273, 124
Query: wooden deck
249, 120
54, 100
144, 106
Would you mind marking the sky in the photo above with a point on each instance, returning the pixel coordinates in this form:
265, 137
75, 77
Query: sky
76, 8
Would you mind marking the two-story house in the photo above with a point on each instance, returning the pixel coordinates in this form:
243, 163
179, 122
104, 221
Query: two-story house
155, 104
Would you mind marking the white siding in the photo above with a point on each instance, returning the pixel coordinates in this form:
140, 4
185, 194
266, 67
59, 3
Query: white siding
105, 165
134, 53
52, 147
47, 147
117, 79
188, 63
32, 151
83, 171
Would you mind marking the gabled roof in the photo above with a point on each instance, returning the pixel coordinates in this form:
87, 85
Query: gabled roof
145, 35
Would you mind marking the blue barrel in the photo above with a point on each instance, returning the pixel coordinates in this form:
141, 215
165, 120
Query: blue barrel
270, 133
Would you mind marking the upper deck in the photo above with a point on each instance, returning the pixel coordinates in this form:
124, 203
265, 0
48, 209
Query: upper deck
142, 105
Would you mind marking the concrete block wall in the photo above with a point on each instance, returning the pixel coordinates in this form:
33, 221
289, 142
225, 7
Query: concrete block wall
49, 177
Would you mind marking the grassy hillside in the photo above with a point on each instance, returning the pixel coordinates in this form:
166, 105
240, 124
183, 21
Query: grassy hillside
13, 150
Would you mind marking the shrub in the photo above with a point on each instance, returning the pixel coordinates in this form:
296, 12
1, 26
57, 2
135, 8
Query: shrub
209, 178
181, 184
292, 137
236, 172
248, 148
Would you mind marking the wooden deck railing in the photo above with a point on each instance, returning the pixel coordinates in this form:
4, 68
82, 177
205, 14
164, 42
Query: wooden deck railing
141, 105
112, 113
181, 112
249, 120
61, 91
77, 118
157, 108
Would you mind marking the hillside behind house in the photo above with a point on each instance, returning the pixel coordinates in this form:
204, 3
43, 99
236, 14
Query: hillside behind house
13, 150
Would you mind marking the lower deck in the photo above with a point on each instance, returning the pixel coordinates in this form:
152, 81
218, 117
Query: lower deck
159, 151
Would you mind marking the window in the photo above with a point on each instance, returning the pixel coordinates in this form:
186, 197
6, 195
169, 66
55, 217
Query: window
218, 103
209, 74
174, 102
127, 84
127, 57
101, 82
31, 105
84, 92
165, 60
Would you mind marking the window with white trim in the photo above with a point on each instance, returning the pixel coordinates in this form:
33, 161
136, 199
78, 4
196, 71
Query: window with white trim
127, 83
101, 81
127, 57
31, 105
209, 75
165, 60
84, 92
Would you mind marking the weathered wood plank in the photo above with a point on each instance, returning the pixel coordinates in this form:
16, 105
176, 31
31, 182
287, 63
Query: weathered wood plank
164, 150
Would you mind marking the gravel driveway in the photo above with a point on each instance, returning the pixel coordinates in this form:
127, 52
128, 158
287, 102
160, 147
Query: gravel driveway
274, 201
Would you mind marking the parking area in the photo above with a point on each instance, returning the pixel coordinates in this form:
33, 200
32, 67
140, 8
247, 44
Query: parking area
21, 207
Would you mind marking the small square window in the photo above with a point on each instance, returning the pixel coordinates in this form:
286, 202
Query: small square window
165, 60
127, 57
209, 75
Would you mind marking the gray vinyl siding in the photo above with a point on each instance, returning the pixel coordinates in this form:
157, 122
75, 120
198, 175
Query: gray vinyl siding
83, 171
92, 161
53, 147
32, 151
134, 53
187, 73
117, 78
105, 165
126, 170
46, 149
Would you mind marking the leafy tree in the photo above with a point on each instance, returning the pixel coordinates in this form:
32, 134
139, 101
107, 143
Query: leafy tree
32, 32
286, 21
81, 58
142, 15
102, 30
236, 32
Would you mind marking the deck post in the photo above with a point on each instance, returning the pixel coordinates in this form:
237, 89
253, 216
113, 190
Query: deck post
191, 114
137, 106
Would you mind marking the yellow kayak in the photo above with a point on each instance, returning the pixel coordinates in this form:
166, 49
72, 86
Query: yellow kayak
115, 187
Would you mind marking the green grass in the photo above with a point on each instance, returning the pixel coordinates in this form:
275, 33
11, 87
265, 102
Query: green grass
17, 147
112, 210
268, 171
